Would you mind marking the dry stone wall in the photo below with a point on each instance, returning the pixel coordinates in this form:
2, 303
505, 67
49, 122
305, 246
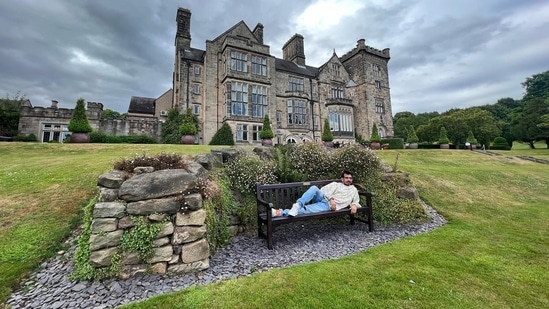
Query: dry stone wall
167, 198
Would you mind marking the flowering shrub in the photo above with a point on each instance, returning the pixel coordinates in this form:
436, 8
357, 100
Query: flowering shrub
219, 204
160, 161
245, 169
388, 208
360, 161
311, 160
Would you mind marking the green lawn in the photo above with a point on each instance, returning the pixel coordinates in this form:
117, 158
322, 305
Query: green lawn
493, 253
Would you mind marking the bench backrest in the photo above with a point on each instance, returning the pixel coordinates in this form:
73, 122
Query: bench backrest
283, 195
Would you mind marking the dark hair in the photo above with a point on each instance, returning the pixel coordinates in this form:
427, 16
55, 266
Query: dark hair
346, 173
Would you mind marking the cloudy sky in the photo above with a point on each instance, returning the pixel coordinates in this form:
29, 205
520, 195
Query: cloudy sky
444, 54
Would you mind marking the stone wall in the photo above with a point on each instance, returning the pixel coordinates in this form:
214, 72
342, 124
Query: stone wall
165, 197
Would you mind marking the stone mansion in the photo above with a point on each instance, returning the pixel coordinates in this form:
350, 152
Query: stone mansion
237, 81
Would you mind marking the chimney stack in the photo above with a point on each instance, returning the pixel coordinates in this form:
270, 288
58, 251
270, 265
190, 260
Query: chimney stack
294, 50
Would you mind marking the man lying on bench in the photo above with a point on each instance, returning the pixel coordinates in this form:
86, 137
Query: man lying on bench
333, 196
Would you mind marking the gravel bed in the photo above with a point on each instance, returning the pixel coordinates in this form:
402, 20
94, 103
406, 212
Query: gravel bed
294, 244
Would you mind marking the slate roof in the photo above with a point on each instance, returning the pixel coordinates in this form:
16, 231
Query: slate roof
194, 54
142, 105
291, 67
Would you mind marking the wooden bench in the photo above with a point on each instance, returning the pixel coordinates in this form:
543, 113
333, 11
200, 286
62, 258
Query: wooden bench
283, 195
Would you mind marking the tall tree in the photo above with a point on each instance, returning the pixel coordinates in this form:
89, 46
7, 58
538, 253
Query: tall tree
525, 125
10, 110
536, 86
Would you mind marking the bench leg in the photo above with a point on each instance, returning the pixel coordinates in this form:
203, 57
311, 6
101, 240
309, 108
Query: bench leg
351, 219
269, 235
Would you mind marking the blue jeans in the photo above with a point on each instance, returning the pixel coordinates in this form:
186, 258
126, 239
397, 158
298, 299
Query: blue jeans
315, 197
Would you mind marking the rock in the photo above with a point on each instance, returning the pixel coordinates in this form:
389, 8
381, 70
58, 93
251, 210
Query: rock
158, 184
112, 180
191, 218
195, 251
148, 207
186, 234
104, 240
109, 210
99, 225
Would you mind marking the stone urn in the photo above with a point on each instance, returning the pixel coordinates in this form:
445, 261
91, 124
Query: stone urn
375, 145
444, 146
329, 144
80, 138
187, 139
267, 142
412, 146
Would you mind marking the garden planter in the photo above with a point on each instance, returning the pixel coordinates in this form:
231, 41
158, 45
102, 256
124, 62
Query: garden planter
444, 146
187, 139
374, 145
413, 146
329, 144
80, 138
266, 142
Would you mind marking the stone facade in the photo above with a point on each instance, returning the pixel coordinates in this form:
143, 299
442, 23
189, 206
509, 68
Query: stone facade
236, 80
51, 123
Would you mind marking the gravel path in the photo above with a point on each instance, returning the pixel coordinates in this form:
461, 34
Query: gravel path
297, 243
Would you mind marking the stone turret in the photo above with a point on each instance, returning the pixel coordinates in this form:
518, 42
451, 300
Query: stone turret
294, 50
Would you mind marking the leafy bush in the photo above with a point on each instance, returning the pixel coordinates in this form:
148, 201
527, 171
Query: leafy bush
394, 143
500, 143
138, 139
102, 137
285, 171
189, 124
223, 136
170, 128
113, 139
160, 161
25, 138
98, 137
360, 161
388, 208
245, 169
311, 160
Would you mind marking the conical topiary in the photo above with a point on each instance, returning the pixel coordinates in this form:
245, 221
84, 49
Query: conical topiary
374, 137
443, 138
79, 120
412, 136
327, 135
266, 132
224, 136
471, 138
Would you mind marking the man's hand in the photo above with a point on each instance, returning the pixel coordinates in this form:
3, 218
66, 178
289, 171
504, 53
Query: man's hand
332, 204
353, 209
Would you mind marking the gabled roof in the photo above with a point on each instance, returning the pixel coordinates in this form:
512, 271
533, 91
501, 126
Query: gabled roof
292, 67
141, 105
238, 24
